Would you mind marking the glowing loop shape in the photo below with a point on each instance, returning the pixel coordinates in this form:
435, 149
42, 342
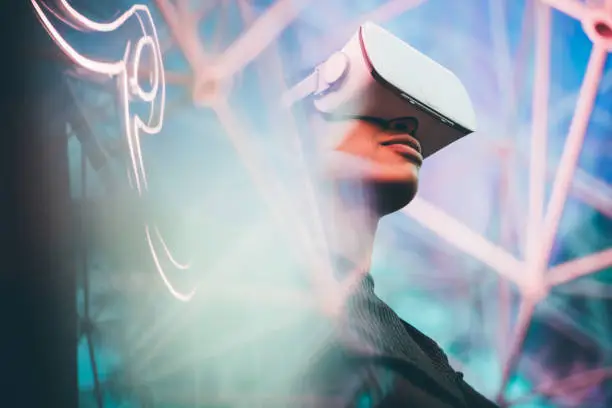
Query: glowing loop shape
134, 82
126, 71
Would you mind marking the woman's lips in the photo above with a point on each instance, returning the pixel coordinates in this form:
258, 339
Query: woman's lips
407, 152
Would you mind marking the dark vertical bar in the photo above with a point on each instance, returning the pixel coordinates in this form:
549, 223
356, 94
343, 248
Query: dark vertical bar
84, 258
37, 277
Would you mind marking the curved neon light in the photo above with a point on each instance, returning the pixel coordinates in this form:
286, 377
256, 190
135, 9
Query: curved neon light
126, 71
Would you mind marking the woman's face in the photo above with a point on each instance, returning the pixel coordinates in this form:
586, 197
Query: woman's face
392, 157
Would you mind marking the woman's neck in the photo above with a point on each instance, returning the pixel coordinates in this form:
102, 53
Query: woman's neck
349, 225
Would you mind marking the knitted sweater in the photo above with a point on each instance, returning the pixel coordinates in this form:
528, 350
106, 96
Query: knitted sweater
374, 330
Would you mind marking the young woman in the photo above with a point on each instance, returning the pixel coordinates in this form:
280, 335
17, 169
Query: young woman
375, 359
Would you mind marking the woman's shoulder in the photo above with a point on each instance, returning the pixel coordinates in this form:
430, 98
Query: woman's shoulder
419, 336
435, 352
426, 343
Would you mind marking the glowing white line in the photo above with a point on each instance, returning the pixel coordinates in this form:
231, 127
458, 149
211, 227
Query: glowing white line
136, 88
109, 68
62, 18
119, 68
103, 27
158, 65
177, 264
128, 81
180, 296
126, 114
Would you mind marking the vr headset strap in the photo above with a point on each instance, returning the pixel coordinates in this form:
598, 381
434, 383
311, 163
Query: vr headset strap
303, 89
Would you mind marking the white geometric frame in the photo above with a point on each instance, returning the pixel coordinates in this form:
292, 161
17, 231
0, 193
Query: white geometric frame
543, 218
212, 77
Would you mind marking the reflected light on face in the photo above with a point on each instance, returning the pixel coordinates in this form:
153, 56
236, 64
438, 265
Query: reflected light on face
379, 153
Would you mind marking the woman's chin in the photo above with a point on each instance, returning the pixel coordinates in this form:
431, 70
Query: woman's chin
345, 165
403, 172
393, 196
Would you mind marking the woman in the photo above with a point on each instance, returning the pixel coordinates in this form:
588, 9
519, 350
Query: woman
354, 351
375, 359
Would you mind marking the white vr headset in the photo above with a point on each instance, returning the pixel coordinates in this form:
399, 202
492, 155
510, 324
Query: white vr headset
376, 75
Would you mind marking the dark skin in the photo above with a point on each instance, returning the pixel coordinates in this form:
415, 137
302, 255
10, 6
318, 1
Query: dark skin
373, 166
393, 153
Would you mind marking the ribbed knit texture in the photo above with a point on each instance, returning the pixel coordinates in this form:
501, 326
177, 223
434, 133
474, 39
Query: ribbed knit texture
371, 328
